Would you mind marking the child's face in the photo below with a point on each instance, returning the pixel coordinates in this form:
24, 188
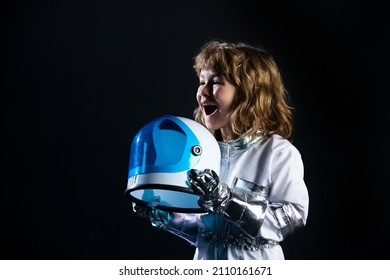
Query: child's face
215, 96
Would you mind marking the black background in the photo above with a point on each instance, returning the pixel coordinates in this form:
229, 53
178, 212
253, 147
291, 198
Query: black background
80, 78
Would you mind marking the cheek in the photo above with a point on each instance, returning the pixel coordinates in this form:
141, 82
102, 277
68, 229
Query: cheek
225, 103
232, 101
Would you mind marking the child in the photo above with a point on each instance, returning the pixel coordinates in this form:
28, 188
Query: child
259, 196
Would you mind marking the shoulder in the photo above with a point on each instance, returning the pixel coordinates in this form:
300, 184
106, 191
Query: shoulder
277, 146
276, 143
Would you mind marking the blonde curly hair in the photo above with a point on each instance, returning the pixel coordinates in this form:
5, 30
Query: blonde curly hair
261, 101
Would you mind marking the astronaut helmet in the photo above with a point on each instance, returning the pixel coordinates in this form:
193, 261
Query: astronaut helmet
162, 153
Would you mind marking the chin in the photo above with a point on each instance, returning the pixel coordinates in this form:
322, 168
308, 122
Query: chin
212, 122
211, 126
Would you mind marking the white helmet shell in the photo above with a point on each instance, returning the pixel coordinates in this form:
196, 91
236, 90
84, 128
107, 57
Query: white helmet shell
162, 153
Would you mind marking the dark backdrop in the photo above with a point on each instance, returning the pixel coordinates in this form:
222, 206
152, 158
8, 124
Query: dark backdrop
80, 78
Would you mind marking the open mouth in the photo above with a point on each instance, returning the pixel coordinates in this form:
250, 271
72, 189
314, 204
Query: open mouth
210, 109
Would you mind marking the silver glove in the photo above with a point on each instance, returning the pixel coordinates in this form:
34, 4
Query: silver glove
213, 194
149, 211
144, 211
179, 224
246, 209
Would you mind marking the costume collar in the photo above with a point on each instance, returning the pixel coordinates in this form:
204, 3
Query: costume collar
238, 145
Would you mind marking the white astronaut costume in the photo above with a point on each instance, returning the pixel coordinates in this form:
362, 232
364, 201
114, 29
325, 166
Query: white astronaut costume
268, 201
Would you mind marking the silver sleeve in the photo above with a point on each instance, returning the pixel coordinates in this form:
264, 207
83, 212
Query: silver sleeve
246, 209
182, 225
288, 218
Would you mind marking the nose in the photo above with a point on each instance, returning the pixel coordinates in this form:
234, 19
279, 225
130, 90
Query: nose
205, 90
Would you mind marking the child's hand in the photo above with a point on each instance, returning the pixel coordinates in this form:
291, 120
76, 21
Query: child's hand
144, 211
213, 194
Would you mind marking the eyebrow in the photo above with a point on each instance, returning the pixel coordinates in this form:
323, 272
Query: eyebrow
212, 76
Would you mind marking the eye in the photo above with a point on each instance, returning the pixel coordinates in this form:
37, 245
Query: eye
217, 81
